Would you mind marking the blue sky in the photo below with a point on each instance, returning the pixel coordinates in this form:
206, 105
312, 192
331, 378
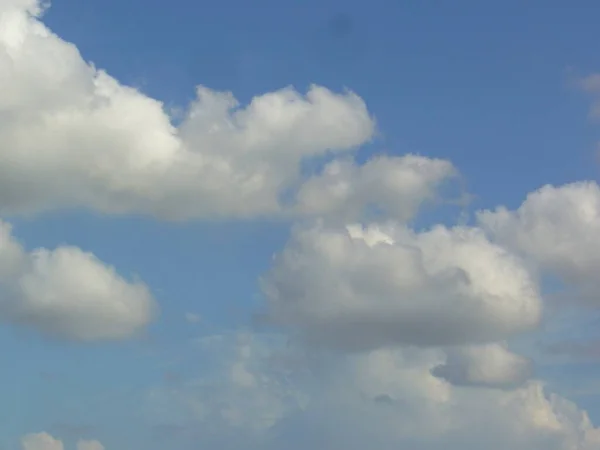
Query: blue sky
497, 99
474, 82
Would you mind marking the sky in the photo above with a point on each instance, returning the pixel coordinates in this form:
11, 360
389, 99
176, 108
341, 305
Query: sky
285, 225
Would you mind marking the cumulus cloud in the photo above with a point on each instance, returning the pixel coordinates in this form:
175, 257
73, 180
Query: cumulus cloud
397, 186
414, 408
491, 365
362, 288
558, 229
385, 398
34, 7
88, 140
68, 293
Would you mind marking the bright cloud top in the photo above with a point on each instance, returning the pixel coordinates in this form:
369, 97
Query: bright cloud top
491, 365
69, 293
89, 141
558, 230
362, 288
396, 186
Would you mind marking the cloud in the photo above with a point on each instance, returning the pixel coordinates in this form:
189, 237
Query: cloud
396, 185
239, 381
362, 288
44, 441
34, 7
423, 412
89, 141
491, 365
385, 398
68, 293
558, 230
40, 441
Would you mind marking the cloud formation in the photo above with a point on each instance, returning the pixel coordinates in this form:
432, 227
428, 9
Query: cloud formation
383, 398
360, 288
558, 229
41, 441
395, 186
69, 293
89, 141
491, 365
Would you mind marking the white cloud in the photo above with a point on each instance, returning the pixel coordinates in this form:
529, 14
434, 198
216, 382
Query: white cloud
32, 6
40, 441
362, 288
86, 140
558, 229
396, 185
386, 398
491, 365
68, 293
412, 407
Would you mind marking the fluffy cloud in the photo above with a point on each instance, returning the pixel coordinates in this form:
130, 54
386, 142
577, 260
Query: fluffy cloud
31, 6
491, 365
396, 186
44, 441
89, 141
362, 288
558, 230
403, 403
68, 293
386, 398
